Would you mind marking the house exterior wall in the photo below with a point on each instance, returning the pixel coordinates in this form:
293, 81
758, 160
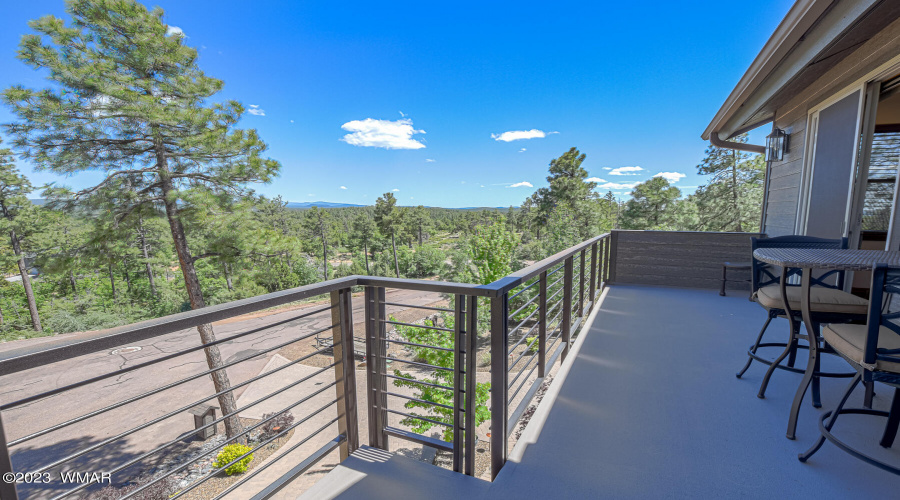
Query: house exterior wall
785, 176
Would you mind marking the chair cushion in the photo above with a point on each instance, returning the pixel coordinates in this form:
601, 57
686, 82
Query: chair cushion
850, 340
821, 299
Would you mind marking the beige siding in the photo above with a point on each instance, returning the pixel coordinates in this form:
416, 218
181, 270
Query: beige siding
684, 259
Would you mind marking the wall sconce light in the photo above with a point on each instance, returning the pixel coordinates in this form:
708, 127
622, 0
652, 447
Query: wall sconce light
776, 145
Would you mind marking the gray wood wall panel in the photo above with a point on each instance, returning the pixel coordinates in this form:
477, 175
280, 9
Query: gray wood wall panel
682, 259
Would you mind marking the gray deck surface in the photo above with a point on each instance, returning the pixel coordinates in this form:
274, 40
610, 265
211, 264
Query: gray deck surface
650, 408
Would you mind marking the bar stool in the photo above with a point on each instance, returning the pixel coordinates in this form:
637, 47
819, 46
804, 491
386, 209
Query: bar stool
873, 350
829, 304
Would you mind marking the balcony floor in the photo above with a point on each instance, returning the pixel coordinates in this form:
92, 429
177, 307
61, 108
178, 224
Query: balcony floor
649, 408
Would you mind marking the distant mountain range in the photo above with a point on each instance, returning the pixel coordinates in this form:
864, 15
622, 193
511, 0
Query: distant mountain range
303, 205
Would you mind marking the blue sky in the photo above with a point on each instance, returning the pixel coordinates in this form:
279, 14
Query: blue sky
433, 101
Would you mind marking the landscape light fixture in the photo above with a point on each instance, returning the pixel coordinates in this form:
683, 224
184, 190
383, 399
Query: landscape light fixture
776, 144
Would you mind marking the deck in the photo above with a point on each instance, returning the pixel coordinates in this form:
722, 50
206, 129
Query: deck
647, 406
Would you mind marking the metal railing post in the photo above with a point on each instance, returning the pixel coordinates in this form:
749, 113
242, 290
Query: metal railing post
376, 382
567, 306
471, 396
7, 489
593, 287
581, 285
542, 325
499, 389
459, 350
345, 369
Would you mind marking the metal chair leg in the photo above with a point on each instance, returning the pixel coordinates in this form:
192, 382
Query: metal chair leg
870, 394
774, 366
724, 279
890, 430
816, 382
834, 415
792, 356
755, 347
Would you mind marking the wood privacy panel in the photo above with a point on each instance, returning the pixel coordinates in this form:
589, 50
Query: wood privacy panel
680, 259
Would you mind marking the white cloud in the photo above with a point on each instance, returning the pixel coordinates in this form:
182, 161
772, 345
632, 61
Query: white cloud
343, 187
520, 184
292, 121
617, 185
516, 135
395, 190
175, 30
607, 168
482, 185
255, 110
430, 160
522, 150
310, 194
385, 134
402, 114
625, 171
672, 177
594, 179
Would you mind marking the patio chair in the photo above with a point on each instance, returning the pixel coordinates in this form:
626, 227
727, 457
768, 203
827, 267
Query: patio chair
873, 350
828, 304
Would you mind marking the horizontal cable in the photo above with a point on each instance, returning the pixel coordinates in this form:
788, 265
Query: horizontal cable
224, 443
238, 459
530, 359
523, 337
436, 422
524, 352
521, 385
122, 371
436, 386
424, 346
429, 308
521, 323
554, 270
400, 323
430, 403
321, 452
424, 365
174, 384
173, 413
524, 306
524, 289
245, 432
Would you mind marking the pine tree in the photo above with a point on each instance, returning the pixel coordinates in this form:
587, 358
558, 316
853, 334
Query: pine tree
652, 205
732, 199
128, 99
17, 212
388, 219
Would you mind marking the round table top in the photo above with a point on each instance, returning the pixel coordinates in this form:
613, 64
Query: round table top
827, 258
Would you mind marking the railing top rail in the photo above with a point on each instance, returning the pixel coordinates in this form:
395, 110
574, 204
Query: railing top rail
67, 347
515, 279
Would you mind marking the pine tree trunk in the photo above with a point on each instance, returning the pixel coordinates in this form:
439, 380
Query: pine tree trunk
227, 277
325, 256
112, 281
72, 283
734, 193
420, 235
195, 296
366, 253
125, 274
26, 282
146, 254
394, 247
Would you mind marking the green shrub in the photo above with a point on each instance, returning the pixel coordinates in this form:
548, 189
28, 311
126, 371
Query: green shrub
230, 453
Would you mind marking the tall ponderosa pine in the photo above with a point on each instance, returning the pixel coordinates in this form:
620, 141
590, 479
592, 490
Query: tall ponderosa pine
363, 232
130, 100
318, 224
652, 205
16, 211
388, 218
732, 199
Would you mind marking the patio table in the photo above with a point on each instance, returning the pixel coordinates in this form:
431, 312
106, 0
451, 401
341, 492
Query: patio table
822, 259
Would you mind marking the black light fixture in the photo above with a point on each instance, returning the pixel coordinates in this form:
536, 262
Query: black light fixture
776, 144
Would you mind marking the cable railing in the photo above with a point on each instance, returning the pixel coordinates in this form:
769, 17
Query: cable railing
423, 380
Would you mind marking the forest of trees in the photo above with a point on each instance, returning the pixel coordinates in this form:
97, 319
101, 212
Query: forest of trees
172, 224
